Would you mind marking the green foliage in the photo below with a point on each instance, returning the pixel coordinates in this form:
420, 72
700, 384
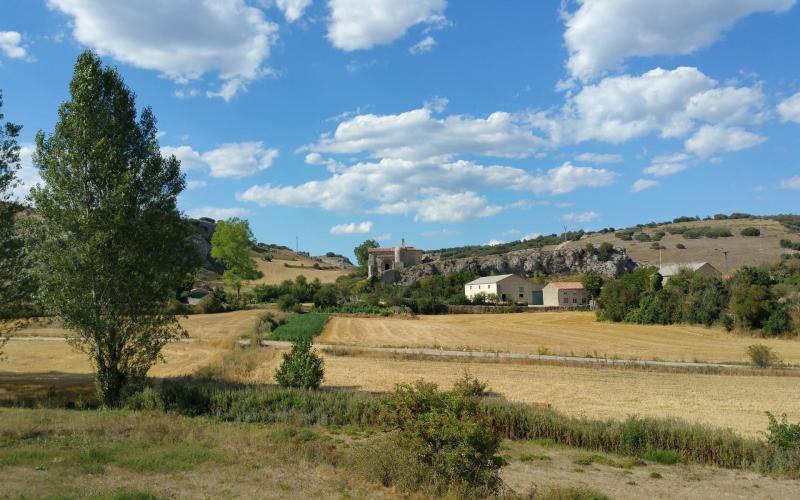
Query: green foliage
750, 231
790, 244
592, 281
210, 304
326, 296
605, 251
287, 302
642, 237
447, 432
568, 493
231, 243
481, 250
783, 435
622, 295
707, 232
762, 356
12, 282
362, 254
680, 246
301, 327
470, 386
267, 323
108, 245
301, 368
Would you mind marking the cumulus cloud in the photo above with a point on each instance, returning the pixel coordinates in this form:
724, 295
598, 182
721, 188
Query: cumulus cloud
218, 213
493, 243
192, 184
417, 134
598, 158
642, 184
668, 102
181, 39
601, 34
423, 46
354, 25
580, 218
11, 45
789, 109
664, 165
712, 139
352, 228
430, 189
292, 9
791, 183
235, 159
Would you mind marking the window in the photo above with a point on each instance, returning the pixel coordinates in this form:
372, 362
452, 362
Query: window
521, 291
522, 295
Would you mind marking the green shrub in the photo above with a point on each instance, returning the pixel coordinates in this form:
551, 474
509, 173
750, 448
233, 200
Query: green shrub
665, 457
762, 356
303, 326
778, 322
177, 308
728, 322
680, 246
287, 302
750, 231
448, 433
301, 368
267, 323
209, 304
783, 435
470, 386
642, 237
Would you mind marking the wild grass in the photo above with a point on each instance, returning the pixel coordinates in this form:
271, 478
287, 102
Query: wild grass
300, 327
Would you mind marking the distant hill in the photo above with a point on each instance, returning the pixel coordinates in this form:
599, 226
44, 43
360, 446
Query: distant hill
703, 240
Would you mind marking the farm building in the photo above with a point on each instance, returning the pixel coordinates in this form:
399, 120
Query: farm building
701, 268
507, 288
385, 262
565, 294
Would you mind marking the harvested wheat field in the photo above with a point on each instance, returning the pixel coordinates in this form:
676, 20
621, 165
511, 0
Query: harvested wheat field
567, 333
279, 270
210, 335
728, 401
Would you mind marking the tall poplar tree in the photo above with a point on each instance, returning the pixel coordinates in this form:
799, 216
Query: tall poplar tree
232, 243
108, 243
10, 243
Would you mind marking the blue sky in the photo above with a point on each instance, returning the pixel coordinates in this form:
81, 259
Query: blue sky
441, 122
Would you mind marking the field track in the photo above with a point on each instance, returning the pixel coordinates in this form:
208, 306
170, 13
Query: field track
558, 333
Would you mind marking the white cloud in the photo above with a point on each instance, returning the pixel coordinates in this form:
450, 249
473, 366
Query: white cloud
580, 218
436, 233
791, 183
642, 184
218, 213
493, 243
28, 174
430, 189
11, 45
668, 102
423, 46
711, 139
181, 39
601, 34
292, 9
416, 135
789, 109
531, 236
662, 166
598, 158
382, 237
355, 25
352, 228
235, 159
196, 184
437, 104
511, 232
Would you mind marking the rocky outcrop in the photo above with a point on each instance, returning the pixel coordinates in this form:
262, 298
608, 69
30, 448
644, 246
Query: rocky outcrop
202, 242
338, 261
526, 262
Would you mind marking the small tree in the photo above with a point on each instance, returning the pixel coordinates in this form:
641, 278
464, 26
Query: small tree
762, 356
301, 367
108, 245
592, 281
362, 254
231, 243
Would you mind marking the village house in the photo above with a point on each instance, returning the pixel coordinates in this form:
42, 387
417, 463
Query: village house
667, 271
565, 294
506, 288
386, 262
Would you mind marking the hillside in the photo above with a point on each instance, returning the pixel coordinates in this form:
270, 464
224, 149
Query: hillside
742, 250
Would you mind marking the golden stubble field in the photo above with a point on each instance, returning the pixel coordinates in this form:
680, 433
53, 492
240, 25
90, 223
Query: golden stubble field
736, 401
568, 333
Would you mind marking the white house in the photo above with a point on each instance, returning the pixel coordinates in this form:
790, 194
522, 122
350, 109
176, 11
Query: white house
507, 288
701, 268
565, 294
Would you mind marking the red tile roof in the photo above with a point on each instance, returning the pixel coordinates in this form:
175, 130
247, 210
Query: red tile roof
566, 285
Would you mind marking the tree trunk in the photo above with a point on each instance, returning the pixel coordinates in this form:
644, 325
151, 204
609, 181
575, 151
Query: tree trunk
111, 383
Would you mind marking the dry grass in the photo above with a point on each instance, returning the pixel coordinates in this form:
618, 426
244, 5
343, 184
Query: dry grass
275, 272
743, 251
568, 333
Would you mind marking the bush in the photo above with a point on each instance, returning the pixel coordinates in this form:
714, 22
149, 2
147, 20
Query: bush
642, 237
751, 231
783, 435
605, 251
762, 356
287, 302
301, 368
447, 433
175, 307
209, 304
268, 322
680, 246
470, 386
778, 322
